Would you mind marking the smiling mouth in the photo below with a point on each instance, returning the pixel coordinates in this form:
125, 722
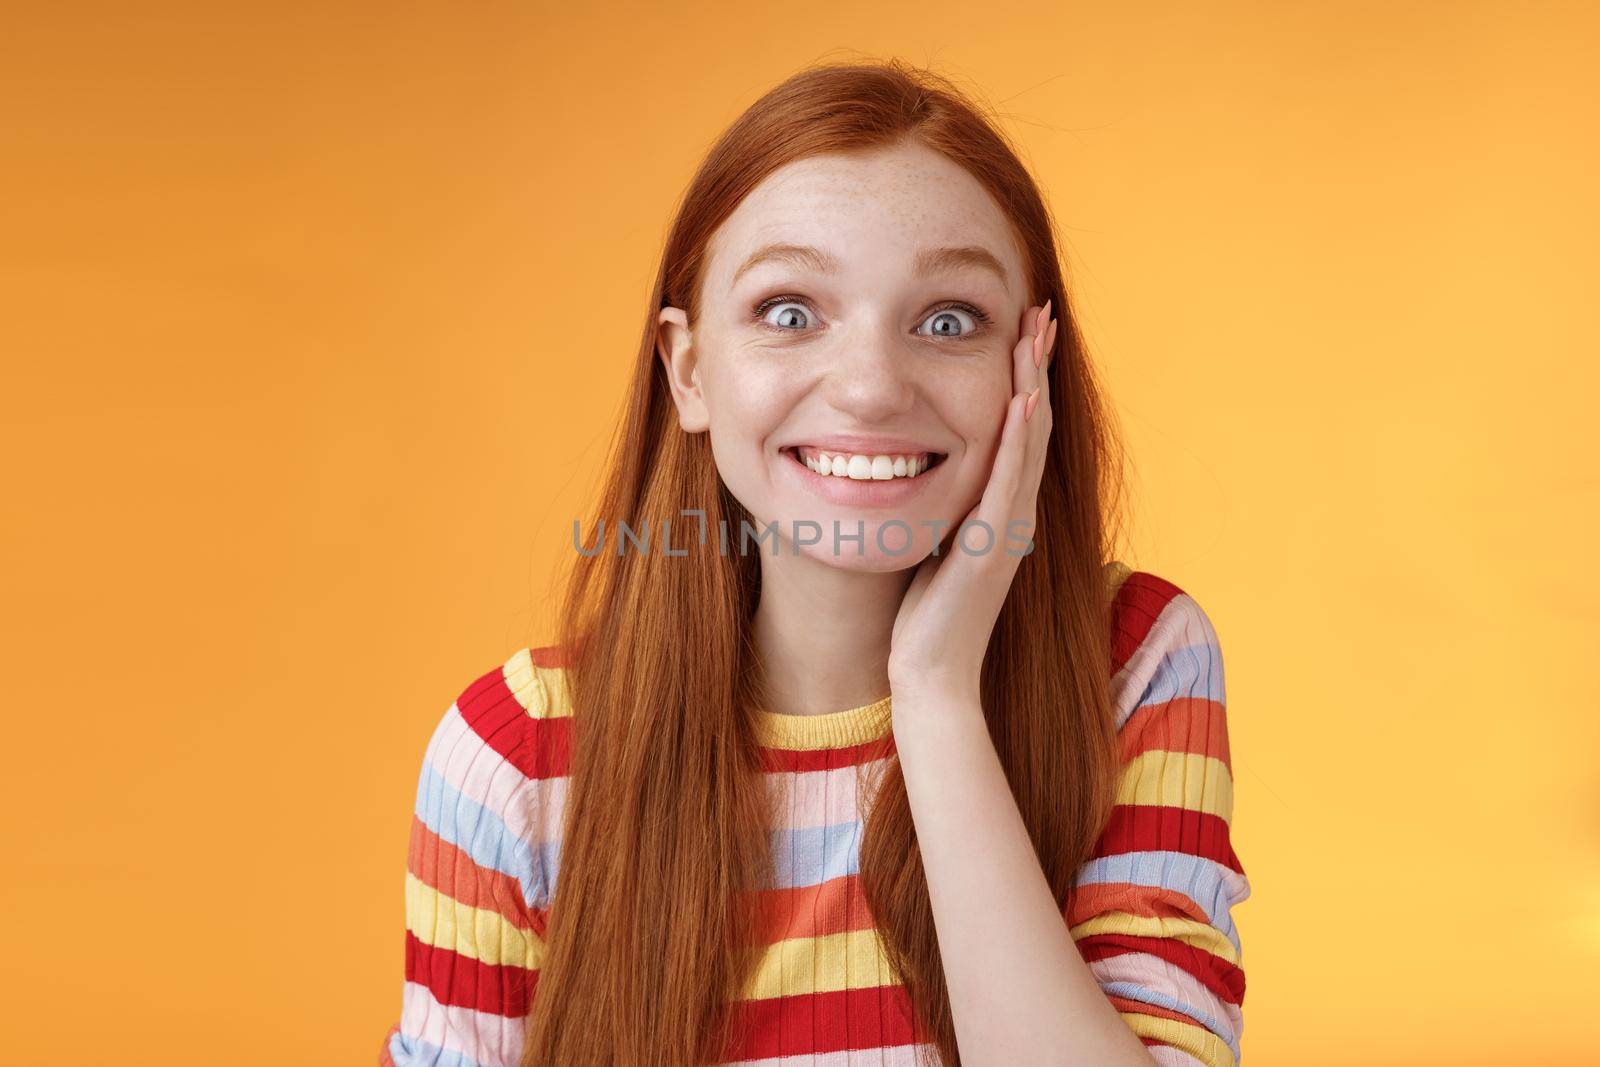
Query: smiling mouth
863, 466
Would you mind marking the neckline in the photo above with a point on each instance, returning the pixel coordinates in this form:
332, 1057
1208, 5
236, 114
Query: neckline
832, 729
868, 722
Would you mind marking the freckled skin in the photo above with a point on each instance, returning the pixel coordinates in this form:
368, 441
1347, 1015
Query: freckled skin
863, 357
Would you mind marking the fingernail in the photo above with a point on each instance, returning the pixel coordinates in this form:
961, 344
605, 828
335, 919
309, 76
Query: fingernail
1027, 409
1038, 348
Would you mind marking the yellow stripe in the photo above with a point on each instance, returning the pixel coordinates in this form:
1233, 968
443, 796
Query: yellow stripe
1201, 935
444, 922
1178, 780
542, 691
852, 959
1195, 1040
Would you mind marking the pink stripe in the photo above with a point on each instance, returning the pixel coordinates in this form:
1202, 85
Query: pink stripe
1157, 975
1167, 1056
531, 807
898, 1056
1180, 623
819, 798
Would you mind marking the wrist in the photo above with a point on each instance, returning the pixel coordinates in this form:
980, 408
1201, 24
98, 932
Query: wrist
934, 694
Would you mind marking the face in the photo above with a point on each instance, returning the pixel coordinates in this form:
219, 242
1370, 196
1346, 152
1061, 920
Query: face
852, 359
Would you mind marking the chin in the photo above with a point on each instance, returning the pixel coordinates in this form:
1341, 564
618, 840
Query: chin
871, 561
865, 555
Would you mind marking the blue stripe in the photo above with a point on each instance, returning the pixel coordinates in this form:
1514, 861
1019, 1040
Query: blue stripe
478, 832
1199, 879
812, 855
1135, 991
409, 1052
547, 873
1187, 671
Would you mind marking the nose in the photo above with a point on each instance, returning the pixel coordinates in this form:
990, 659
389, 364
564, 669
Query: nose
870, 374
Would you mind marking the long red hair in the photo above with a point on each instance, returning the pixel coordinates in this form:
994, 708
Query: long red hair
651, 931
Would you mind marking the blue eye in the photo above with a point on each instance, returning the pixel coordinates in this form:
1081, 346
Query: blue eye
792, 309
949, 319
795, 314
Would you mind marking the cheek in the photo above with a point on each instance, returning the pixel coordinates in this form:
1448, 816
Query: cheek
977, 413
746, 404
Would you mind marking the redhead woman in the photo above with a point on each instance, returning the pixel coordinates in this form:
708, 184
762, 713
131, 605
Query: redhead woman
858, 744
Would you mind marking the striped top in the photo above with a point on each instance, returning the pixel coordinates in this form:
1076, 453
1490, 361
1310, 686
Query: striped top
1151, 915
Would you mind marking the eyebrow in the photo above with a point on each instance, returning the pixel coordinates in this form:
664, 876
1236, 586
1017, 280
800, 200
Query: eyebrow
928, 260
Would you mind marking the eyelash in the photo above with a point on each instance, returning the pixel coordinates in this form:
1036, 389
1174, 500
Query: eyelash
982, 318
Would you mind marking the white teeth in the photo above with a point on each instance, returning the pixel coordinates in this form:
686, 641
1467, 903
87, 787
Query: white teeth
866, 467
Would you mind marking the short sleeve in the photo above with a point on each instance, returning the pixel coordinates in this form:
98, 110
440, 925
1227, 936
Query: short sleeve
1152, 908
474, 882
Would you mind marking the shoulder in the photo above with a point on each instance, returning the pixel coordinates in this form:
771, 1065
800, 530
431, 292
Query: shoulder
520, 709
493, 781
1163, 645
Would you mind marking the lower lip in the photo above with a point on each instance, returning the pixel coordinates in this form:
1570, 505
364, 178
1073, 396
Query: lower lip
860, 492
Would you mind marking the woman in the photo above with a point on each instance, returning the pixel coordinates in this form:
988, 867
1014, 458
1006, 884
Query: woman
822, 769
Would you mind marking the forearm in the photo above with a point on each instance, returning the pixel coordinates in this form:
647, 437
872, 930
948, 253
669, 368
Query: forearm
1019, 990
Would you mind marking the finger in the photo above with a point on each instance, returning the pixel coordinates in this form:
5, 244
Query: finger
1022, 368
1046, 349
1044, 320
997, 506
1049, 345
1041, 417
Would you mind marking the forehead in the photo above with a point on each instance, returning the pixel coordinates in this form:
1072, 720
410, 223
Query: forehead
866, 209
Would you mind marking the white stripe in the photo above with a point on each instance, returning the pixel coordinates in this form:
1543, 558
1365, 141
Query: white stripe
482, 1036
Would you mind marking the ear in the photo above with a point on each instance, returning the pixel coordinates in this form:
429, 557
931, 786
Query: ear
675, 346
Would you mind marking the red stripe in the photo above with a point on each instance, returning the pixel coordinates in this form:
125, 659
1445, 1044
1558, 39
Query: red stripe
784, 760
550, 736
1218, 975
1089, 901
834, 907
548, 656
444, 867
870, 1018
464, 982
551, 741
1139, 1007
1134, 610
539, 747
493, 712
1164, 828
1182, 724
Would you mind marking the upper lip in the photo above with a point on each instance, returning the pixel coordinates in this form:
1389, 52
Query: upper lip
865, 444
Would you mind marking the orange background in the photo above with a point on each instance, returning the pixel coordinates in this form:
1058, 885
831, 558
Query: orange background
316, 320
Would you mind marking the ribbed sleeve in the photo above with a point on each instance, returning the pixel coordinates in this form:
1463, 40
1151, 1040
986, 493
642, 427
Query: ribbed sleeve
1151, 914
475, 882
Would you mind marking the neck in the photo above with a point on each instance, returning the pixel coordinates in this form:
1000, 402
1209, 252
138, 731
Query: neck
822, 633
